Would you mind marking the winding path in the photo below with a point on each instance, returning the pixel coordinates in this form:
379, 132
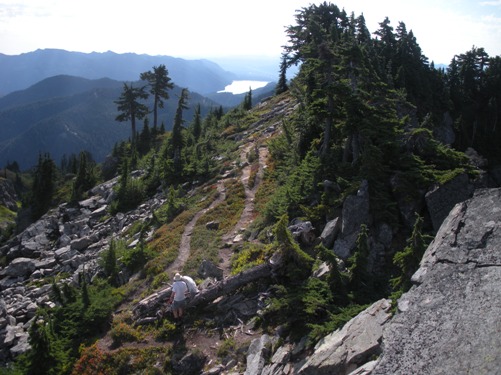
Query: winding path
246, 217
184, 246
248, 213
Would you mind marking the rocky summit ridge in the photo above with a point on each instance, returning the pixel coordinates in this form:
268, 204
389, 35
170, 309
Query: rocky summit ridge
447, 323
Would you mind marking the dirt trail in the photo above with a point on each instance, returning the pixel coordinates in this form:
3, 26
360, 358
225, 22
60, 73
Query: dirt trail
248, 213
184, 246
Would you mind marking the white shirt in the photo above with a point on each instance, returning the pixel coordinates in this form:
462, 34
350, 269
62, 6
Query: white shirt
179, 288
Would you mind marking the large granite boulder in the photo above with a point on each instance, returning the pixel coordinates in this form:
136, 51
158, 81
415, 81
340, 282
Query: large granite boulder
441, 199
351, 346
449, 322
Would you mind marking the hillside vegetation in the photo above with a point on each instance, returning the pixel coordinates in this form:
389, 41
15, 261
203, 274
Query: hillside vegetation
361, 134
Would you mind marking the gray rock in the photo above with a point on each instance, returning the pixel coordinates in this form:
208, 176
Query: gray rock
344, 246
19, 267
82, 243
212, 225
258, 354
302, 231
21, 347
351, 346
366, 369
8, 196
330, 232
208, 269
385, 235
356, 210
449, 321
475, 158
444, 132
495, 173
442, 199
45, 263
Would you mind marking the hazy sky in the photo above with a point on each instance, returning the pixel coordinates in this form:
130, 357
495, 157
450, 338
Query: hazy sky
216, 28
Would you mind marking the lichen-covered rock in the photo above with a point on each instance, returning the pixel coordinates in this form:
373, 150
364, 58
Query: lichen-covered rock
449, 322
351, 346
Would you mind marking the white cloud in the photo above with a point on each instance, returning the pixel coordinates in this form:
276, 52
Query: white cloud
491, 3
201, 28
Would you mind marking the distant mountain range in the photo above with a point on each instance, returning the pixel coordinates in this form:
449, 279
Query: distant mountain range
70, 111
21, 71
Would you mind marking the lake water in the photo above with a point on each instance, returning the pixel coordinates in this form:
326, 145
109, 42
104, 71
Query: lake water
239, 87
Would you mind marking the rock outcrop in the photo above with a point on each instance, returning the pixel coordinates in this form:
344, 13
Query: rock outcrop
449, 322
8, 196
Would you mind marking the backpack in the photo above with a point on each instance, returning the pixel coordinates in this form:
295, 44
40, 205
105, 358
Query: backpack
192, 286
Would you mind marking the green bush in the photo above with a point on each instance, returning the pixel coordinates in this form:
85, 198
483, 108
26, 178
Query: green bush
166, 331
123, 332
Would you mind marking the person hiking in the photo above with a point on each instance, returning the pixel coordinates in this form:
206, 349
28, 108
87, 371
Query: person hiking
178, 297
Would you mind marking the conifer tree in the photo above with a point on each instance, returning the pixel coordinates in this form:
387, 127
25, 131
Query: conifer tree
43, 185
110, 263
85, 292
130, 107
159, 82
43, 355
247, 103
85, 178
313, 42
360, 279
144, 142
408, 259
177, 142
282, 78
197, 123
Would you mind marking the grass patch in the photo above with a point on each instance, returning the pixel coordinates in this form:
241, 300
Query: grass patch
167, 238
205, 243
251, 255
152, 360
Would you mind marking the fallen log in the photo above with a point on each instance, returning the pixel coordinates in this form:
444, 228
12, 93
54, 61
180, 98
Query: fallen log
150, 306
231, 284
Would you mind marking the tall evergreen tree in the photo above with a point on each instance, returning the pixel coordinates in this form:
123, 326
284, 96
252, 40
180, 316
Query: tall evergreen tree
43, 185
130, 107
360, 278
85, 178
196, 127
110, 263
159, 82
408, 259
313, 42
282, 78
177, 142
144, 142
247, 103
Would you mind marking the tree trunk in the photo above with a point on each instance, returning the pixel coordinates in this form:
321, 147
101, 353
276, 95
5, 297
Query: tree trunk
149, 306
231, 284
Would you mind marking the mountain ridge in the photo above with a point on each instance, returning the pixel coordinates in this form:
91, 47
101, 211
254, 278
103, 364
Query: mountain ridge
64, 114
21, 71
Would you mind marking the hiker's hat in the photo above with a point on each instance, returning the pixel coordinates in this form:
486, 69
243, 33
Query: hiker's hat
177, 277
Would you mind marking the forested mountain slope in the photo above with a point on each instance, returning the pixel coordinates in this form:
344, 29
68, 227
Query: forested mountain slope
64, 115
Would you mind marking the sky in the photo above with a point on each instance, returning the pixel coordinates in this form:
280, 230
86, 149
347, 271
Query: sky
229, 28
